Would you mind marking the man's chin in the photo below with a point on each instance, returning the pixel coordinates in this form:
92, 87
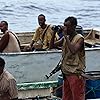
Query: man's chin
41, 25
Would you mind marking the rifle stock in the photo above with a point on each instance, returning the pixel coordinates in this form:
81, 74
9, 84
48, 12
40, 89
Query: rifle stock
91, 75
55, 70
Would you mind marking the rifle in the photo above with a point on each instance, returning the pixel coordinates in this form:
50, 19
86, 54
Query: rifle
92, 75
55, 70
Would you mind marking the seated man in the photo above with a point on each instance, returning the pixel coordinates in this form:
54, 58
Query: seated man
9, 41
42, 36
8, 87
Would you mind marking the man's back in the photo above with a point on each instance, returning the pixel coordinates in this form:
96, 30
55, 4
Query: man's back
9, 42
13, 45
8, 89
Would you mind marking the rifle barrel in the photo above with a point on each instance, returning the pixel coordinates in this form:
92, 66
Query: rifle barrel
55, 70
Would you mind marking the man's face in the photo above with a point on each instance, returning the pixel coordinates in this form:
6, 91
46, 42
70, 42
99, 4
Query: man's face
68, 28
3, 27
41, 20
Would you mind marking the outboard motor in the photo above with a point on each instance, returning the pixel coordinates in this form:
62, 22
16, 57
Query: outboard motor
79, 30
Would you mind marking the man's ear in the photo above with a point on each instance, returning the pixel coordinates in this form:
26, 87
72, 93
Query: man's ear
74, 26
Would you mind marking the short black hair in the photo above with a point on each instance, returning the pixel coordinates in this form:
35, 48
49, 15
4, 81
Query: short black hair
42, 15
5, 22
2, 62
72, 19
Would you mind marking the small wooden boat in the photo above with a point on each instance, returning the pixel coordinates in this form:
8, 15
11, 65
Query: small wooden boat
92, 37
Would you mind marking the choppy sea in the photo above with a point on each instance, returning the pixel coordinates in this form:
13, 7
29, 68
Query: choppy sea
22, 14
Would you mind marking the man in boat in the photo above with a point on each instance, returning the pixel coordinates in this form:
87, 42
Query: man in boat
8, 87
42, 36
73, 60
9, 42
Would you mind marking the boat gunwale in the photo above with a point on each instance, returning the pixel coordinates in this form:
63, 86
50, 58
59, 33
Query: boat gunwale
32, 52
45, 52
37, 85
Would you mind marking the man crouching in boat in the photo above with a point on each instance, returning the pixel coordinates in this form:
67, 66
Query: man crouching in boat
73, 60
9, 42
8, 87
42, 36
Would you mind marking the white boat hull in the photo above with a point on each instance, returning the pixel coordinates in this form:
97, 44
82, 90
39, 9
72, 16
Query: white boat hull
33, 66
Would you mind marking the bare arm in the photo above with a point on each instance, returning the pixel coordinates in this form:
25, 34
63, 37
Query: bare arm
4, 42
32, 42
36, 37
74, 47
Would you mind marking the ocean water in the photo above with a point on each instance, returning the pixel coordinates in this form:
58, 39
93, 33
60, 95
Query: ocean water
22, 14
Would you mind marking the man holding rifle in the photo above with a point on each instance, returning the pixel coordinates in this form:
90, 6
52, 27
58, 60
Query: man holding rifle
73, 60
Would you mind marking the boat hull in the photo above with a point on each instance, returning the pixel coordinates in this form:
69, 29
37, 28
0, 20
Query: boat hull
33, 66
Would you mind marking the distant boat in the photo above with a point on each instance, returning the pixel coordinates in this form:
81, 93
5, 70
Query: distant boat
92, 36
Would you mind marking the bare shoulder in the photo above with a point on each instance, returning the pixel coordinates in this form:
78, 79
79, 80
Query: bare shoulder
5, 36
4, 42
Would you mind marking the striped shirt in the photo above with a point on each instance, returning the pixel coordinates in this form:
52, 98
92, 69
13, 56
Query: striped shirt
8, 87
